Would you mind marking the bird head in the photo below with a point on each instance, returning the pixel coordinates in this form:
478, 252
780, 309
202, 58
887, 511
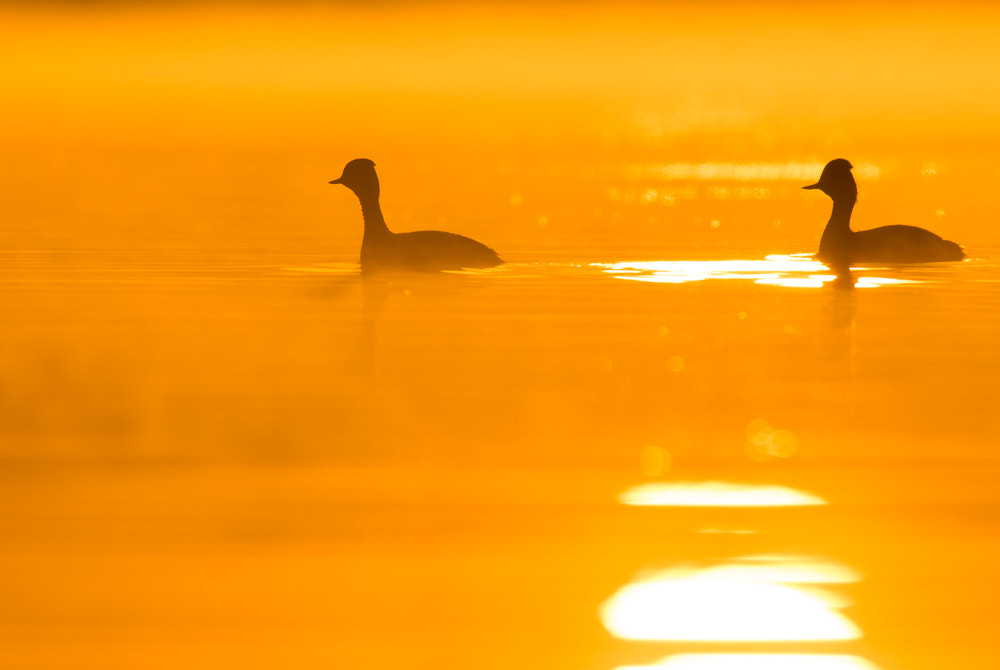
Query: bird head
359, 176
837, 180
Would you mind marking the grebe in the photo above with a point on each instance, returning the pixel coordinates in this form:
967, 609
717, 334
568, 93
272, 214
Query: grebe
842, 246
423, 250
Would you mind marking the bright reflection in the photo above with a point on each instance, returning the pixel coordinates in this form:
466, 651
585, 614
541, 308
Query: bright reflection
774, 267
812, 281
795, 271
721, 605
783, 570
757, 662
871, 282
716, 494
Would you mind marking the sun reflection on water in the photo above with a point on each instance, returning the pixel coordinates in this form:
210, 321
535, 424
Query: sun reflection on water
757, 662
793, 271
716, 494
783, 570
751, 598
724, 605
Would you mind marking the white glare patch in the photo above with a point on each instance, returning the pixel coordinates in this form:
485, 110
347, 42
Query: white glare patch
795, 271
773, 269
783, 570
702, 607
716, 494
793, 282
871, 282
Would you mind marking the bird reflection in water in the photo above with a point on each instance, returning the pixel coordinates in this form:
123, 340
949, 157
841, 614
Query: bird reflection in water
376, 294
382, 289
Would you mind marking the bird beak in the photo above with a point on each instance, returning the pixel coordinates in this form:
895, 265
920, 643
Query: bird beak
336, 181
816, 185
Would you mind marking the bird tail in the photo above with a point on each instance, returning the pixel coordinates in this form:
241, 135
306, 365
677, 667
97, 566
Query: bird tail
955, 252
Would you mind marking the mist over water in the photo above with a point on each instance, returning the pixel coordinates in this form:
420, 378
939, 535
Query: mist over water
222, 446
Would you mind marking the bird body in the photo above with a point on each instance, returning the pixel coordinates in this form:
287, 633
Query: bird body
903, 244
841, 246
428, 251
421, 251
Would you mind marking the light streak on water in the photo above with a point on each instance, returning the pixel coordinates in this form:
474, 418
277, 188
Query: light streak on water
716, 494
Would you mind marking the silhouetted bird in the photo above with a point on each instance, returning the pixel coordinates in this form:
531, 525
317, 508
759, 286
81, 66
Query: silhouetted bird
423, 250
841, 246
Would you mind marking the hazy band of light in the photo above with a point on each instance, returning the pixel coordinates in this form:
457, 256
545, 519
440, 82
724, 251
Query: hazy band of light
716, 494
757, 662
739, 171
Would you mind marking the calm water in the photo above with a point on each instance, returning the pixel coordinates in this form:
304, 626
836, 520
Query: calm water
258, 462
659, 436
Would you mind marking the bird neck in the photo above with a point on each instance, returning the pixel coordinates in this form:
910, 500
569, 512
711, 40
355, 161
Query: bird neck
372, 215
836, 245
840, 217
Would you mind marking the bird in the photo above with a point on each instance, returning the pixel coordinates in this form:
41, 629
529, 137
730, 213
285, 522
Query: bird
840, 246
422, 250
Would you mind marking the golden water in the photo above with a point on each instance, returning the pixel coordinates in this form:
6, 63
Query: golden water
659, 436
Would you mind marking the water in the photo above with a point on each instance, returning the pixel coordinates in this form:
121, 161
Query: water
222, 447
271, 464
